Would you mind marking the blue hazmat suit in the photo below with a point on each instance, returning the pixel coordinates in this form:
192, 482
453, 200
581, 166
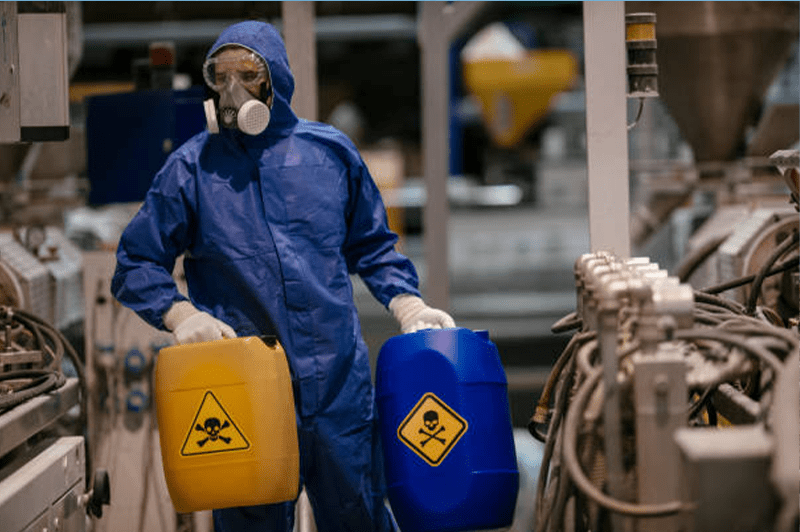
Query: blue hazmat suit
271, 227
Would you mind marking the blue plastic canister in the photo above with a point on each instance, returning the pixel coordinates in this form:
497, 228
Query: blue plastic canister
446, 431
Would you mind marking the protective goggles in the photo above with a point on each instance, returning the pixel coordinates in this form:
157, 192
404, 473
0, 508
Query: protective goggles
246, 67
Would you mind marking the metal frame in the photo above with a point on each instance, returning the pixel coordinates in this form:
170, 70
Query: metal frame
45, 493
36, 414
299, 34
439, 24
606, 129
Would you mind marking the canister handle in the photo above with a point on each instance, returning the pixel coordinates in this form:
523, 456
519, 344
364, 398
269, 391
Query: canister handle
269, 339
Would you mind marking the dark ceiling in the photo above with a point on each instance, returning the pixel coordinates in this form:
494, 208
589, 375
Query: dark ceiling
367, 51
94, 12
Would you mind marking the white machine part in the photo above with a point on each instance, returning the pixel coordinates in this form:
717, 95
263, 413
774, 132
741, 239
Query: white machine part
752, 236
661, 395
65, 264
32, 276
34, 94
47, 272
45, 494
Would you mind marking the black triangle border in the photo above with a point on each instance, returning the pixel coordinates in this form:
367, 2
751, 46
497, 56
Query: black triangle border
194, 422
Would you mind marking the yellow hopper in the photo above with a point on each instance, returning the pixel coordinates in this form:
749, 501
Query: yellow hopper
515, 94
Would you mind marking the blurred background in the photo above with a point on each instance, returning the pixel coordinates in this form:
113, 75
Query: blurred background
701, 166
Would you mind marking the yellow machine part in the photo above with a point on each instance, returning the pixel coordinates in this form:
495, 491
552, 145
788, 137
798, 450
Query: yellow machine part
227, 424
515, 94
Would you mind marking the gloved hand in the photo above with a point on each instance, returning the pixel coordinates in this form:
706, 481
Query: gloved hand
190, 325
413, 314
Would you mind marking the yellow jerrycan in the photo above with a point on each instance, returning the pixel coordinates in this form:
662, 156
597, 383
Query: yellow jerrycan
226, 423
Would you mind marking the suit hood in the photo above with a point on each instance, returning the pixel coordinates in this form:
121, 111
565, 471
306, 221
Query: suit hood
264, 39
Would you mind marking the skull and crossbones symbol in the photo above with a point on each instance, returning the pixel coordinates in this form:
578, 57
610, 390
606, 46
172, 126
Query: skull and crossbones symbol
211, 428
431, 421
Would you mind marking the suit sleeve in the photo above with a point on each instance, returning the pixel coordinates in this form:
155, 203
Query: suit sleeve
151, 243
370, 245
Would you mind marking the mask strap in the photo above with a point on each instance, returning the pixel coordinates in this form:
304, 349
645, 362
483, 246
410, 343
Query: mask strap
211, 116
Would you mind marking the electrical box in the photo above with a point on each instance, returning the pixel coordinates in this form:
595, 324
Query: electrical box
34, 84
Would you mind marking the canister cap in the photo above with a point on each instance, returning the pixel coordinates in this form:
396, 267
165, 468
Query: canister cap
483, 334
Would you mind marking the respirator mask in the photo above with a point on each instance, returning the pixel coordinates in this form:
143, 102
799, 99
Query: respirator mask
240, 81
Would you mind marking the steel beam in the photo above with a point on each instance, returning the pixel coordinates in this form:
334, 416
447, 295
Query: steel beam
606, 126
298, 32
440, 23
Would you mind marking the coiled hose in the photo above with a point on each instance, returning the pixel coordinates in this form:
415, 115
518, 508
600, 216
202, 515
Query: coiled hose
47, 336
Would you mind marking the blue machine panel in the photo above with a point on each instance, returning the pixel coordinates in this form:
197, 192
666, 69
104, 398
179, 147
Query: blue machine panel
130, 135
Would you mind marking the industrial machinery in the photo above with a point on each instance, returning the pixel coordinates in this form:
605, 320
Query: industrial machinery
46, 480
34, 77
727, 76
41, 272
672, 407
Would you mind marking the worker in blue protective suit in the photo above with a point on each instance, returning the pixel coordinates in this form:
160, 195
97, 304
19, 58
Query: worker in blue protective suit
272, 214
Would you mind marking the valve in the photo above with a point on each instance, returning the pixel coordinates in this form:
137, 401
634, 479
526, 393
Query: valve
99, 496
135, 365
136, 401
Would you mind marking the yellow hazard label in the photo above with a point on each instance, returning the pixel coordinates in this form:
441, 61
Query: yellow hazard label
213, 430
431, 429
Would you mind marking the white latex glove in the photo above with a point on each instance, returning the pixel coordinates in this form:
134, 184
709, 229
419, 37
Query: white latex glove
190, 325
413, 314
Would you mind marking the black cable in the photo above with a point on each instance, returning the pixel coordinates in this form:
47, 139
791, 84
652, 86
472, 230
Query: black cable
583, 356
59, 340
562, 492
777, 253
697, 406
711, 299
562, 393
751, 326
715, 310
543, 405
711, 411
550, 517
731, 339
533, 428
693, 260
707, 318
41, 333
741, 281
47, 378
45, 381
